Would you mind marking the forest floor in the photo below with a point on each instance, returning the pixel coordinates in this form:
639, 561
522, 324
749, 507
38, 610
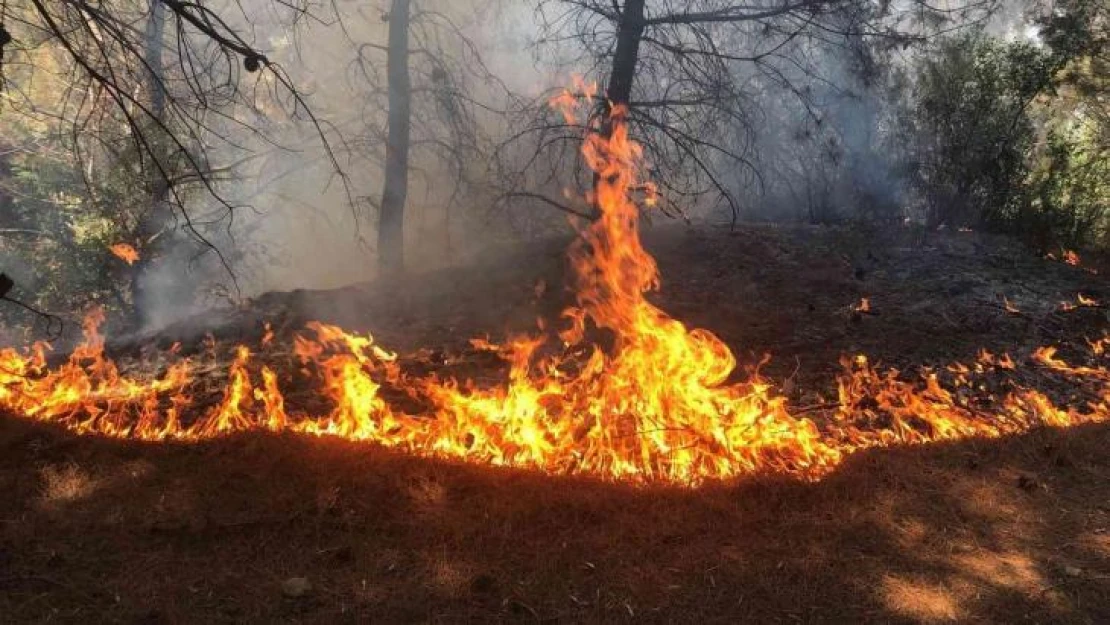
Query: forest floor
995, 531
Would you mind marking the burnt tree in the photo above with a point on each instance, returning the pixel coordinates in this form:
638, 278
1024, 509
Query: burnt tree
630, 31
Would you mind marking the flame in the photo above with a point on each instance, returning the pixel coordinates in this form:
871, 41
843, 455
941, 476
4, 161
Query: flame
625, 392
864, 305
1069, 257
1082, 301
125, 252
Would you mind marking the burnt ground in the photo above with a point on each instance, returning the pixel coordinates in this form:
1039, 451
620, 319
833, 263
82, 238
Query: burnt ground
1003, 531
787, 292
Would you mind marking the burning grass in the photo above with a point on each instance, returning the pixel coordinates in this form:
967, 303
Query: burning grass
650, 400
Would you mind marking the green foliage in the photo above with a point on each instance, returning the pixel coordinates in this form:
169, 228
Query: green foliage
1069, 188
972, 128
52, 239
1012, 136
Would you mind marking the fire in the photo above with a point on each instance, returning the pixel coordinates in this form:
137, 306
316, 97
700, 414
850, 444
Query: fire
653, 400
1068, 256
1082, 301
125, 252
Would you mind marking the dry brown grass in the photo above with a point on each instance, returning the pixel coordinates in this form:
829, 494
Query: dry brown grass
208, 534
1005, 531
62, 484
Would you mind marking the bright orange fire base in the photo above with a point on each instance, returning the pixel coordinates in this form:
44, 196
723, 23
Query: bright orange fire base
655, 406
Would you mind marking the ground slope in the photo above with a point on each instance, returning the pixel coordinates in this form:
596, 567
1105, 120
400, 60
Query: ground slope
1001, 531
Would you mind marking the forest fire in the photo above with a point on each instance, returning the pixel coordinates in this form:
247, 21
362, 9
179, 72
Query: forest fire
125, 252
653, 402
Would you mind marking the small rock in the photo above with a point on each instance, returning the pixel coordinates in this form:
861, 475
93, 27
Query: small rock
1073, 571
296, 587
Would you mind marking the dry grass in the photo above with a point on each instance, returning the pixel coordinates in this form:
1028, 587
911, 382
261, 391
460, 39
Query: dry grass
65, 484
209, 533
1004, 531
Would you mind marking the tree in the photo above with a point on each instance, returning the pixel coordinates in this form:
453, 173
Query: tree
690, 72
432, 85
973, 130
1069, 183
157, 217
145, 115
391, 225
1001, 140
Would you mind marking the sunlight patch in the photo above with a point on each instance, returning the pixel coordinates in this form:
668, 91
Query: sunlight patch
920, 600
65, 484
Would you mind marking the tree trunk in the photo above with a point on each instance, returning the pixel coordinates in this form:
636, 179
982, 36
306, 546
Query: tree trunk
391, 224
156, 217
629, 34
155, 35
619, 93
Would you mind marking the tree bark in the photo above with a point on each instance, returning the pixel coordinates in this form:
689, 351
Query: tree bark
623, 73
629, 33
156, 217
391, 224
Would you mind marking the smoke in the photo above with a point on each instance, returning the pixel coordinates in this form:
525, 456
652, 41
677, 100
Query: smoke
825, 152
830, 138
822, 139
299, 221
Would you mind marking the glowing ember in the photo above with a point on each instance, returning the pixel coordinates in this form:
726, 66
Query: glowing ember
125, 252
864, 305
655, 404
1066, 256
1081, 301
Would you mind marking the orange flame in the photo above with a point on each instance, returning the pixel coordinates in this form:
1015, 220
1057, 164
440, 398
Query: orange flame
1082, 301
1066, 256
656, 403
125, 252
